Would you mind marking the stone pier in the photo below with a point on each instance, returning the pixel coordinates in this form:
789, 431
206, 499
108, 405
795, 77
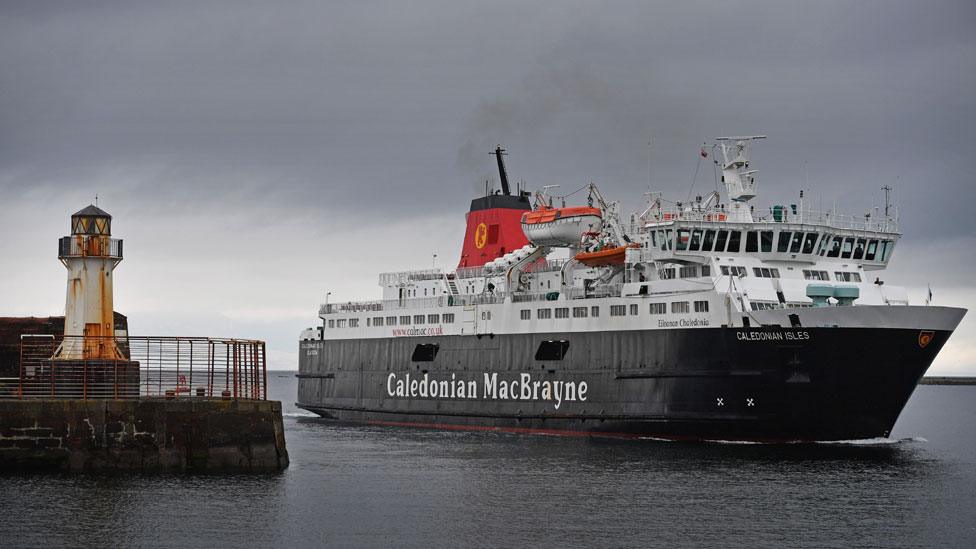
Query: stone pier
148, 434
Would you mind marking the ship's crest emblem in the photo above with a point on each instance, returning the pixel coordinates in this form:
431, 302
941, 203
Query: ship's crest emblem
925, 337
480, 235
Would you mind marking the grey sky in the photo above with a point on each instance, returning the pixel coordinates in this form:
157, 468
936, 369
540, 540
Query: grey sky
258, 154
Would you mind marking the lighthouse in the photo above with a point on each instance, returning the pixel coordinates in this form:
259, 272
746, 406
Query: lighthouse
90, 254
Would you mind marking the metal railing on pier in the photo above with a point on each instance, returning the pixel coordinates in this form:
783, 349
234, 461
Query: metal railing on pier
80, 367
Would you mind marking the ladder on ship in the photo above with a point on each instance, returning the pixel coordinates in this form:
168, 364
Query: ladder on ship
451, 285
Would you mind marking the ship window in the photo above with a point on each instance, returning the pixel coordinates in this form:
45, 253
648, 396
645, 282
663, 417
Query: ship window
552, 350
695, 240
579, 312
562, 312
734, 237
425, 291
666, 274
886, 247
701, 306
783, 244
706, 270
680, 307
723, 236
752, 242
404, 320
433, 319
709, 240
448, 318
378, 321
835, 247
341, 323
419, 319
766, 241
859, 249
425, 352
688, 272
682, 243
525, 314
332, 324
872, 250
633, 309
848, 248
594, 311
822, 249
353, 322
391, 321
815, 275
765, 272
670, 233
653, 236
543, 313
797, 242
843, 276
809, 243
618, 310
659, 308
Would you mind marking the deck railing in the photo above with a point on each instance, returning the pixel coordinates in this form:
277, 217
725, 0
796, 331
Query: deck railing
80, 367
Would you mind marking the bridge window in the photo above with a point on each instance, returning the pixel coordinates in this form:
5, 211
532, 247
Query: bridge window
835, 246
809, 243
822, 249
618, 310
659, 308
871, 251
695, 240
766, 241
886, 247
796, 243
734, 237
543, 313
680, 307
848, 248
723, 236
682, 243
752, 242
448, 318
709, 240
859, 248
783, 244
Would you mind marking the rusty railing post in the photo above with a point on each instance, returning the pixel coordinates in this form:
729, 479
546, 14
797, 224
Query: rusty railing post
264, 369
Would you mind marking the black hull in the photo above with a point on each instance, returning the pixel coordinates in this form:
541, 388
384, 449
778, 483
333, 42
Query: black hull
767, 384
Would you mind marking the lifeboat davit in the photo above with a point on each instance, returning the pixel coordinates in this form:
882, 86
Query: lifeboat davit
560, 227
602, 258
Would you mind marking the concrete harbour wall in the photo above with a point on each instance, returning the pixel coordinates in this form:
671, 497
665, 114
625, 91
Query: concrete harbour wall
142, 435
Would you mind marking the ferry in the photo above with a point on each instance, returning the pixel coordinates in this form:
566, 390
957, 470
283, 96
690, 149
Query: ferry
709, 319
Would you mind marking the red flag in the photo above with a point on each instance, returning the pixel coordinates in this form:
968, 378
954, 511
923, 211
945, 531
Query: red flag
703, 153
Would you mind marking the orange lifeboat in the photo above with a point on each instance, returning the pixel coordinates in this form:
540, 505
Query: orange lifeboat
602, 258
549, 226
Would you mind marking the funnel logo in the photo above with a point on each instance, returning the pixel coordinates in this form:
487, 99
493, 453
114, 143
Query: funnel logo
480, 235
925, 337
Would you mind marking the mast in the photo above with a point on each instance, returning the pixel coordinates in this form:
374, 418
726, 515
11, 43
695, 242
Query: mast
499, 153
740, 181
